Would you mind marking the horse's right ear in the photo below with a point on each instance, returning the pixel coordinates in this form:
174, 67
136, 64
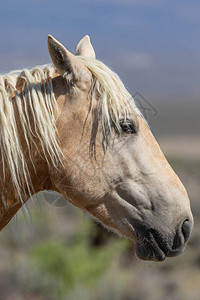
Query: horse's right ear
63, 60
85, 48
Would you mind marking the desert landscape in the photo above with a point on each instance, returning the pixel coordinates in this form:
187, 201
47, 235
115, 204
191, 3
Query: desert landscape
54, 251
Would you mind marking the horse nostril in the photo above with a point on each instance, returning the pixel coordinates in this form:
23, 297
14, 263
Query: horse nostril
182, 234
186, 229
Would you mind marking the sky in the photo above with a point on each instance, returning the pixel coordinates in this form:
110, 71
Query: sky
153, 45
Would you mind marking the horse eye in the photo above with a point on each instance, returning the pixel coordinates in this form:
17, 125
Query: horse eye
128, 127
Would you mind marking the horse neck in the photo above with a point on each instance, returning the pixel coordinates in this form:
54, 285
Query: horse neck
38, 173
10, 202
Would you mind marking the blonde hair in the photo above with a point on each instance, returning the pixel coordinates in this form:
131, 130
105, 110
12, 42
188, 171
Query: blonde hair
36, 86
116, 101
37, 98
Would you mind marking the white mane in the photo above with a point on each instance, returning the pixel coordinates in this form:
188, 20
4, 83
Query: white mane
115, 99
35, 110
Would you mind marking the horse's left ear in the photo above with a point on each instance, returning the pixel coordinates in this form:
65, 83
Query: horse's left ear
65, 61
85, 48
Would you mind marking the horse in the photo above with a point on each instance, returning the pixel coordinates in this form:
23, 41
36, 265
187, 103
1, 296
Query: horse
72, 127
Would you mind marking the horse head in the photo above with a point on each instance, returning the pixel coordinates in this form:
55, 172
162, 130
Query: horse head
112, 166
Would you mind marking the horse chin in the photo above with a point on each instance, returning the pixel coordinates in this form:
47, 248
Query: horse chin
149, 252
150, 248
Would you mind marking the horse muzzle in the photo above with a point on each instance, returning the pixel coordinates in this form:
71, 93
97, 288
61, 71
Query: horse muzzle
153, 245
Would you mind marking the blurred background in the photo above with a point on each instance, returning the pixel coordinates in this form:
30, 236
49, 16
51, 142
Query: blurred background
154, 46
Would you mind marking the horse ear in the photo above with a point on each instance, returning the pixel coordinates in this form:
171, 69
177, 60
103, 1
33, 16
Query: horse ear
63, 60
85, 48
